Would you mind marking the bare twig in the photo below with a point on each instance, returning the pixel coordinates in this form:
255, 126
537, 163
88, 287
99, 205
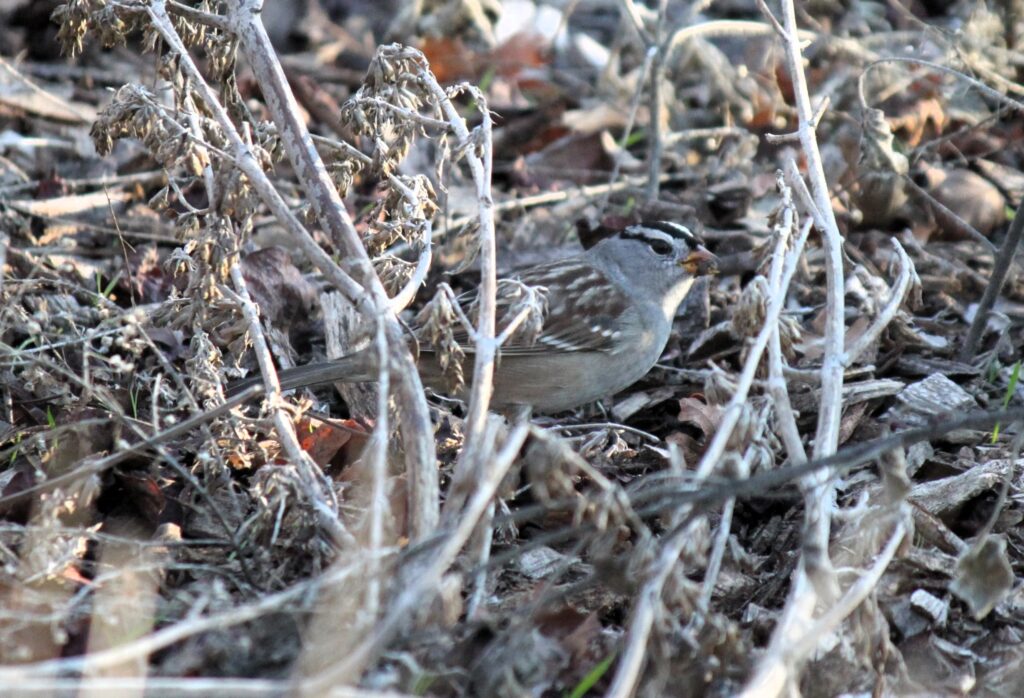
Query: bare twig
377, 460
656, 105
627, 130
283, 424
784, 415
897, 294
479, 158
977, 84
818, 490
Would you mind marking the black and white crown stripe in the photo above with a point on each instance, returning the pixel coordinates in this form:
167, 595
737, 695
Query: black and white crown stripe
661, 230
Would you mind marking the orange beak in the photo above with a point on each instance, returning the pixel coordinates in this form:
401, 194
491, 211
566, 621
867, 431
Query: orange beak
700, 262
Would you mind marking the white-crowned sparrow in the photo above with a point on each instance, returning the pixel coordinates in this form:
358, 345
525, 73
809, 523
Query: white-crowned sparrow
609, 315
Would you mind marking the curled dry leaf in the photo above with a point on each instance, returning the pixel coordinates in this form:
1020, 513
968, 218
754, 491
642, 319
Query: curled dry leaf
700, 415
880, 194
983, 576
924, 118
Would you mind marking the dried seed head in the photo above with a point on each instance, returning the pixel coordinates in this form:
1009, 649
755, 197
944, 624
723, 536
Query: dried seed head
439, 325
749, 316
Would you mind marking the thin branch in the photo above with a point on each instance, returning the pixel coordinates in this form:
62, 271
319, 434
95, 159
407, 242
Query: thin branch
897, 295
377, 461
627, 130
977, 84
656, 105
193, 15
480, 165
784, 416
943, 211
818, 491
283, 424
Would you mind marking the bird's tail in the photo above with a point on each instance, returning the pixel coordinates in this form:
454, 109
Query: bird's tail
355, 368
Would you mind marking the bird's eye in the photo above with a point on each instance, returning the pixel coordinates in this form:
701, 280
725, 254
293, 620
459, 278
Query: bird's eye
660, 247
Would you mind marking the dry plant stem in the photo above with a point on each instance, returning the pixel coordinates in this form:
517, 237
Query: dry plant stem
652, 501
407, 113
942, 210
194, 15
404, 297
477, 447
423, 587
784, 417
645, 610
142, 648
695, 134
555, 197
718, 547
819, 492
775, 138
733, 410
4, 242
150, 177
897, 294
655, 147
663, 51
802, 647
407, 295
283, 424
42, 94
377, 460
480, 548
481, 556
1007, 252
977, 84
330, 210
723, 27
636, 21
634, 107
641, 621
480, 165
827, 434
246, 163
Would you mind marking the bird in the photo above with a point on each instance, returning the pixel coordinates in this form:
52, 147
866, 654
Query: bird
609, 314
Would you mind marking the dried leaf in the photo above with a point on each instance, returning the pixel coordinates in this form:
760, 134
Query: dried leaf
984, 576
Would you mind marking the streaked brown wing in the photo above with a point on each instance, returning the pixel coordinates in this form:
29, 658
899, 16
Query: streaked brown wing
581, 315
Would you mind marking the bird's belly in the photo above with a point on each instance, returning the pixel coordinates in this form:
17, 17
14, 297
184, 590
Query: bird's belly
573, 379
